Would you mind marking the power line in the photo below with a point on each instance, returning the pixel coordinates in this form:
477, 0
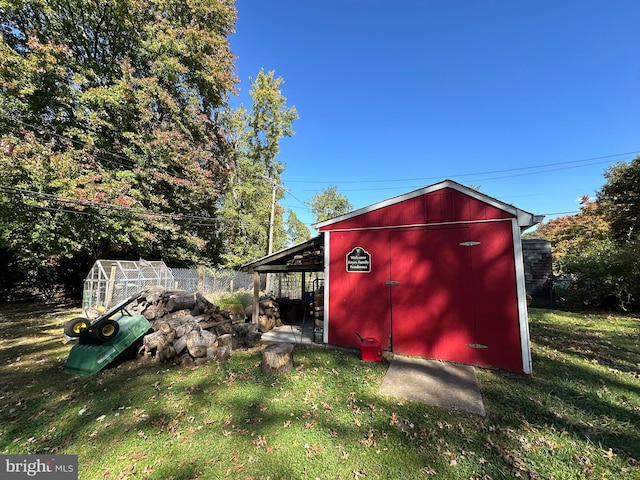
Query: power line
488, 172
477, 180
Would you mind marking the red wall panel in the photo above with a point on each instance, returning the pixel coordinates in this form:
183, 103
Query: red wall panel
358, 302
444, 205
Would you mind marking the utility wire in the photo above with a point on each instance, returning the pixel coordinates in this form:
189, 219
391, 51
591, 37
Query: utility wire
488, 172
477, 180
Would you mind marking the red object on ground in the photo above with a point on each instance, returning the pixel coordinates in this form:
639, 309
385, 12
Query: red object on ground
370, 350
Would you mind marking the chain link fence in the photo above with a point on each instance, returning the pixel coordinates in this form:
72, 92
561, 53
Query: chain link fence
210, 281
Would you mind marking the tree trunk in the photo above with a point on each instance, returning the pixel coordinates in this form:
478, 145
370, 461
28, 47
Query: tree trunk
277, 358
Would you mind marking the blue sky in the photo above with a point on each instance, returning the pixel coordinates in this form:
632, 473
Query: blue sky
529, 100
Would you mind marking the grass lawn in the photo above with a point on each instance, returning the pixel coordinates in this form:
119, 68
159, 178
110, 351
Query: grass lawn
577, 417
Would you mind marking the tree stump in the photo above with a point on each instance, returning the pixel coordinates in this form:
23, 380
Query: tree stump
277, 358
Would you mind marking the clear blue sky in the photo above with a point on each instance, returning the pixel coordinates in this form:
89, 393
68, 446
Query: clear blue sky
529, 100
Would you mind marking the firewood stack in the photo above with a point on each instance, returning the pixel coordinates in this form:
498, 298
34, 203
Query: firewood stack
318, 308
190, 330
269, 314
314, 257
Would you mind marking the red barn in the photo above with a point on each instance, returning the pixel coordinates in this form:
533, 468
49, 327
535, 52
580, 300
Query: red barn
435, 273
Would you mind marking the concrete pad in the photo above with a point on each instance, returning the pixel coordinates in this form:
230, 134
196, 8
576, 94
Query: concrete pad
289, 334
433, 382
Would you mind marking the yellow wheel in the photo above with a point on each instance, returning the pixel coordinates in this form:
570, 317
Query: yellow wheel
107, 330
73, 327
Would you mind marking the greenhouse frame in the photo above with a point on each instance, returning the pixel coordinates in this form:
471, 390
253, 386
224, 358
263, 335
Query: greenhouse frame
112, 281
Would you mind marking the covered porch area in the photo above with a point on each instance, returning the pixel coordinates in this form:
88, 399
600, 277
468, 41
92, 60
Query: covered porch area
294, 278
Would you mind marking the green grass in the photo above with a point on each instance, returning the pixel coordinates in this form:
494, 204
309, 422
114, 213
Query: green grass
577, 417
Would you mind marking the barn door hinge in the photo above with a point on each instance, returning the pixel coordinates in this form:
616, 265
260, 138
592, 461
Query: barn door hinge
476, 345
469, 244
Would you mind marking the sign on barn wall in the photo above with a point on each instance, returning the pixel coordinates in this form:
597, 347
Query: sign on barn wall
358, 261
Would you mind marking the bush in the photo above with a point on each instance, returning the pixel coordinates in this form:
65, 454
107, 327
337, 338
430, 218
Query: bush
602, 275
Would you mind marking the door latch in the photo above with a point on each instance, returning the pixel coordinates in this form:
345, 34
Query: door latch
395, 283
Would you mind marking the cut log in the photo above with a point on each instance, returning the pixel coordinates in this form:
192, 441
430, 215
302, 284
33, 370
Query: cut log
277, 358
169, 324
266, 323
207, 325
220, 353
252, 339
186, 328
178, 314
154, 311
224, 328
198, 341
185, 301
180, 344
166, 353
152, 340
185, 360
225, 340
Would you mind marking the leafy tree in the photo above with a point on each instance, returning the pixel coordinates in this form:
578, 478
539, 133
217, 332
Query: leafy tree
619, 201
598, 271
571, 234
297, 232
255, 136
107, 118
329, 203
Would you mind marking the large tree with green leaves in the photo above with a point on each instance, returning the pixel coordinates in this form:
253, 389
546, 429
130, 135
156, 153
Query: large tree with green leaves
297, 232
619, 201
255, 182
329, 203
597, 250
110, 144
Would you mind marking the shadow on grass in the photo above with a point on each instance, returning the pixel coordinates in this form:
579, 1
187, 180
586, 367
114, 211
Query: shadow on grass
323, 419
584, 383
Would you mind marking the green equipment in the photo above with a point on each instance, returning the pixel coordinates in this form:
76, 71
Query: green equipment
101, 341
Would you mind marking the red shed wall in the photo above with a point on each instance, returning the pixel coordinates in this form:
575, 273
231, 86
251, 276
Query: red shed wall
450, 297
444, 205
359, 302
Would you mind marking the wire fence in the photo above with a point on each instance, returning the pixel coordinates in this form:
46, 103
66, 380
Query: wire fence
118, 284
211, 281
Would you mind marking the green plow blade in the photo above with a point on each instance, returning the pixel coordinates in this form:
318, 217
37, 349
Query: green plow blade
87, 360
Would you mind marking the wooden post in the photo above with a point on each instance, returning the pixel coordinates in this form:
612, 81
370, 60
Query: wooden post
256, 297
112, 280
201, 279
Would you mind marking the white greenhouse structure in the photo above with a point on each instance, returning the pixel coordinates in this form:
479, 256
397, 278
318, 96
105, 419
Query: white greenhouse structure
111, 281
